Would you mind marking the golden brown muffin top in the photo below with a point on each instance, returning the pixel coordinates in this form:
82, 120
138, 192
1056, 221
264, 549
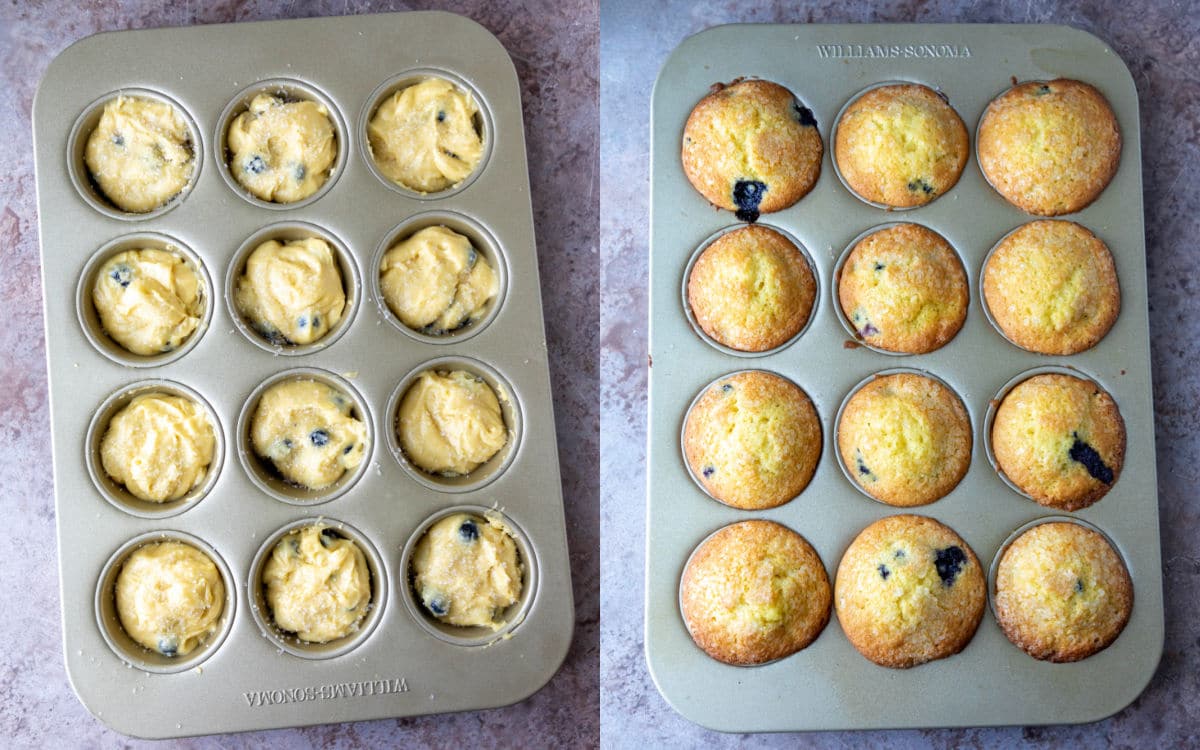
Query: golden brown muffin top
753, 592
751, 147
751, 289
1051, 286
1049, 147
1062, 592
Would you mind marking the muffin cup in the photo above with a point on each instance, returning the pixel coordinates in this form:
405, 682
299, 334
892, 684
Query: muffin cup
837, 281
481, 239
837, 425
838, 120
130, 651
687, 275
510, 409
89, 319
263, 473
287, 231
291, 643
513, 616
81, 177
994, 404
290, 90
115, 493
483, 126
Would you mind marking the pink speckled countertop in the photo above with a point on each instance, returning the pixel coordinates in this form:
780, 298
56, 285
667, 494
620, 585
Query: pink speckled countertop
1161, 45
554, 46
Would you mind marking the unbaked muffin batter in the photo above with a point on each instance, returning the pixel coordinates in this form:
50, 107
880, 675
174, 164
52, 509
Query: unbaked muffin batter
282, 151
436, 282
291, 292
423, 137
306, 430
149, 301
140, 154
466, 571
317, 584
159, 447
170, 597
450, 422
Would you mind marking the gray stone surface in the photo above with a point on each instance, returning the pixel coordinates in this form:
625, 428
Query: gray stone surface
554, 45
1161, 44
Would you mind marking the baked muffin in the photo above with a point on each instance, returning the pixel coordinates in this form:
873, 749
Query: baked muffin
904, 290
751, 289
753, 440
1060, 439
905, 439
909, 590
1051, 287
753, 592
1049, 147
1062, 592
901, 145
752, 147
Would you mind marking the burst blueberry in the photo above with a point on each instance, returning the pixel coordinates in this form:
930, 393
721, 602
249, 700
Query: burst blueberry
949, 563
883, 571
1091, 460
747, 195
920, 186
122, 274
708, 471
804, 115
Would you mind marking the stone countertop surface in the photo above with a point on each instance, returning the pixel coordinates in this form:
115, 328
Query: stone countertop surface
1161, 45
554, 46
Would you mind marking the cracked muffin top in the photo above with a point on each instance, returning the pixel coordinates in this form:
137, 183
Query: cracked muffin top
904, 290
909, 590
1049, 147
1051, 286
901, 145
752, 147
1060, 439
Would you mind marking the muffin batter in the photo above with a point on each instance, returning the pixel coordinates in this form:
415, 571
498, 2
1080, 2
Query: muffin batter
169, 597
449, 423
140, 154
306, 430
282, 151
466, 572
317, 584
291, 292
424, 138
159, 447
149, 301
436, 282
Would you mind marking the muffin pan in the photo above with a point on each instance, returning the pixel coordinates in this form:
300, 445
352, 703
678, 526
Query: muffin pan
399, 662
829, 685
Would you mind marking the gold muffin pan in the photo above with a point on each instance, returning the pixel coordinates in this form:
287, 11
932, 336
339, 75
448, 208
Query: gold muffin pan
400, 661
829, 685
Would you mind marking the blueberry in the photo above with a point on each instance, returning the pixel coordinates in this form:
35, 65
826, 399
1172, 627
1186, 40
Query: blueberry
436, 605
303, 322
708, 471
1042, 90
862, 467
949, 562
747, 194
316, 321
920, 186
727, 388
122, 274
328, 537
347, 449
1091, 460
118, 139
468, 531
441, 116
803, 115
472, 256
433, 329
1079, 585
272, 334
168, 645
883, 571
298, 172
319, 438
899, 554
868, 330
880, 266
451, 154
256, 165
